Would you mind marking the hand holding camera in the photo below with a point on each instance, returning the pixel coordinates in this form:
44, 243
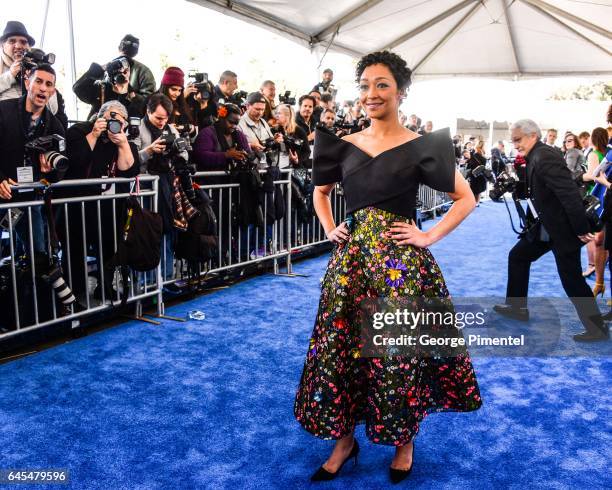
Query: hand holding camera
16, 67
99, 127
235, 154
158, 146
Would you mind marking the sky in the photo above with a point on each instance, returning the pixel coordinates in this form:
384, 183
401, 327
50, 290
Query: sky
175, 32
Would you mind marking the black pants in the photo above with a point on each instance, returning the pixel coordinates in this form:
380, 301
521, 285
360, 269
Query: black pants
570, 272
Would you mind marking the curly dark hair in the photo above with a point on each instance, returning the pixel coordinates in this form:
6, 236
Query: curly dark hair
401, 73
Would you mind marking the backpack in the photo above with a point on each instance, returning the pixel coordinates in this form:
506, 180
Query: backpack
139, 246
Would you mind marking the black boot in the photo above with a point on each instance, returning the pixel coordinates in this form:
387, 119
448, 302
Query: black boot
514, 312
595, 331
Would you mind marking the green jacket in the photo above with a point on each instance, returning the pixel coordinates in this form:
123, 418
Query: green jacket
142, 79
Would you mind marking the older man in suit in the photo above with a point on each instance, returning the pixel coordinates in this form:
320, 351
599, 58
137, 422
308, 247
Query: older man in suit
562, 227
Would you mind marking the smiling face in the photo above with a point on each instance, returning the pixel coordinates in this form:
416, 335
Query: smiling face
378, 92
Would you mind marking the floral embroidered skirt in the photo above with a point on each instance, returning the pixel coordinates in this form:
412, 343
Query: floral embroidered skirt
339, 388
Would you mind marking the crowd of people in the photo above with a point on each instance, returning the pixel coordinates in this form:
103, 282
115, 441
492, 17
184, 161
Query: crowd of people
183, 124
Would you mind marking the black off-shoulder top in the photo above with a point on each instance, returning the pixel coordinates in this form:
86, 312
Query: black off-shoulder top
390, 180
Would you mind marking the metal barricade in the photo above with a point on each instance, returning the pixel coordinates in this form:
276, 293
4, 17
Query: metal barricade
82, 224
91, 223
432, 200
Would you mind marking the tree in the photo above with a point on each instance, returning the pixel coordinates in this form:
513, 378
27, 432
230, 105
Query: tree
597, 91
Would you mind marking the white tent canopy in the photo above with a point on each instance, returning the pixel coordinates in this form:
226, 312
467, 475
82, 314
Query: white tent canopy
442, 38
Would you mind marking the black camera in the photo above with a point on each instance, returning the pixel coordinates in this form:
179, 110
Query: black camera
174, 145
113, 71
239, 98
34, 57
51, 146
292, 143
204, 86
114, 125
286, 98
591, 208
133, 129
270, 144
504, 183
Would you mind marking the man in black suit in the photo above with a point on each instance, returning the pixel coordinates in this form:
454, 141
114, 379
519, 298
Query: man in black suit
563, 228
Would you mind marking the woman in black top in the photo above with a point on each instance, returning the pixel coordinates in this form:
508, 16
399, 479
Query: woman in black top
94, 152
295, 150
477, 158
380, 253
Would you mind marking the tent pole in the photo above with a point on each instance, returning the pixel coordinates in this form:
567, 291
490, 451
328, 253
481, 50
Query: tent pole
547, 14
72, 54
44, 26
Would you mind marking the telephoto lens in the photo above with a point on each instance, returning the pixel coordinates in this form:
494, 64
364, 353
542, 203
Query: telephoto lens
62, 290
57, 161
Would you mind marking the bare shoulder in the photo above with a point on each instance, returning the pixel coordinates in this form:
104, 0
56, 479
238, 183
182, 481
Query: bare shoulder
351, 138
410, 135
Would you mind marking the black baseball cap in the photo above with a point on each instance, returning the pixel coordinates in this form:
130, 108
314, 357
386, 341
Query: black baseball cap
255, 97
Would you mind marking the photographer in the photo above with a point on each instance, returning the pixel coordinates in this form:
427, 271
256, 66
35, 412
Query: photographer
295, 150
96, 149
478, 184
305, 119
558, 223
499, 160
325, 85
256, 129
218, 146
200, 97
100, 84
141, 78
268, 90
224, 90
181, 116
16, 42
22, 121
159, 155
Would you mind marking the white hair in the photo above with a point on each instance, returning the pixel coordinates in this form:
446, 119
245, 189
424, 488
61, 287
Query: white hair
116, 106
527, 126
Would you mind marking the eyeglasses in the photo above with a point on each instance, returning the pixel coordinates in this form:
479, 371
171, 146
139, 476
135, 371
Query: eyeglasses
568, 141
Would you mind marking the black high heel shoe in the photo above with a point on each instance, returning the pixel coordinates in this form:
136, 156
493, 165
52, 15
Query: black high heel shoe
323, 475
400, 475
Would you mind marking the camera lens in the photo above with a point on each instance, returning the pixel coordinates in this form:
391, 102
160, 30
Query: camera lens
114, 126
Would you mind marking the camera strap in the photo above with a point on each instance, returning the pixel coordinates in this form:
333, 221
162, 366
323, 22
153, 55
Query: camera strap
53, 240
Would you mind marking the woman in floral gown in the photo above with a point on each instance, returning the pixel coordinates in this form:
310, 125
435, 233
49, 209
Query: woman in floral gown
380, 253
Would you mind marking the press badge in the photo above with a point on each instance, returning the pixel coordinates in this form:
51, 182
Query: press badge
25, 175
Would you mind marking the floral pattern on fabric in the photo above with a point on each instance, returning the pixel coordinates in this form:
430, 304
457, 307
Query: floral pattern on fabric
339, 388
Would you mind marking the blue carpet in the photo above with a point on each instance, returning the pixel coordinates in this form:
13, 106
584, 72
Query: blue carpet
208, 404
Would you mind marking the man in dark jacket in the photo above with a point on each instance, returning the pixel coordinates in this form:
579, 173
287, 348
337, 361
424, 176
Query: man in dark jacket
563, 228
22, 120
141, 77
95, 88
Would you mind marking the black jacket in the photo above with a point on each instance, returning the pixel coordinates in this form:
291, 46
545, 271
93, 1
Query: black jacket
86, 163
13, 136
308, 127
556, 197
89, 92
